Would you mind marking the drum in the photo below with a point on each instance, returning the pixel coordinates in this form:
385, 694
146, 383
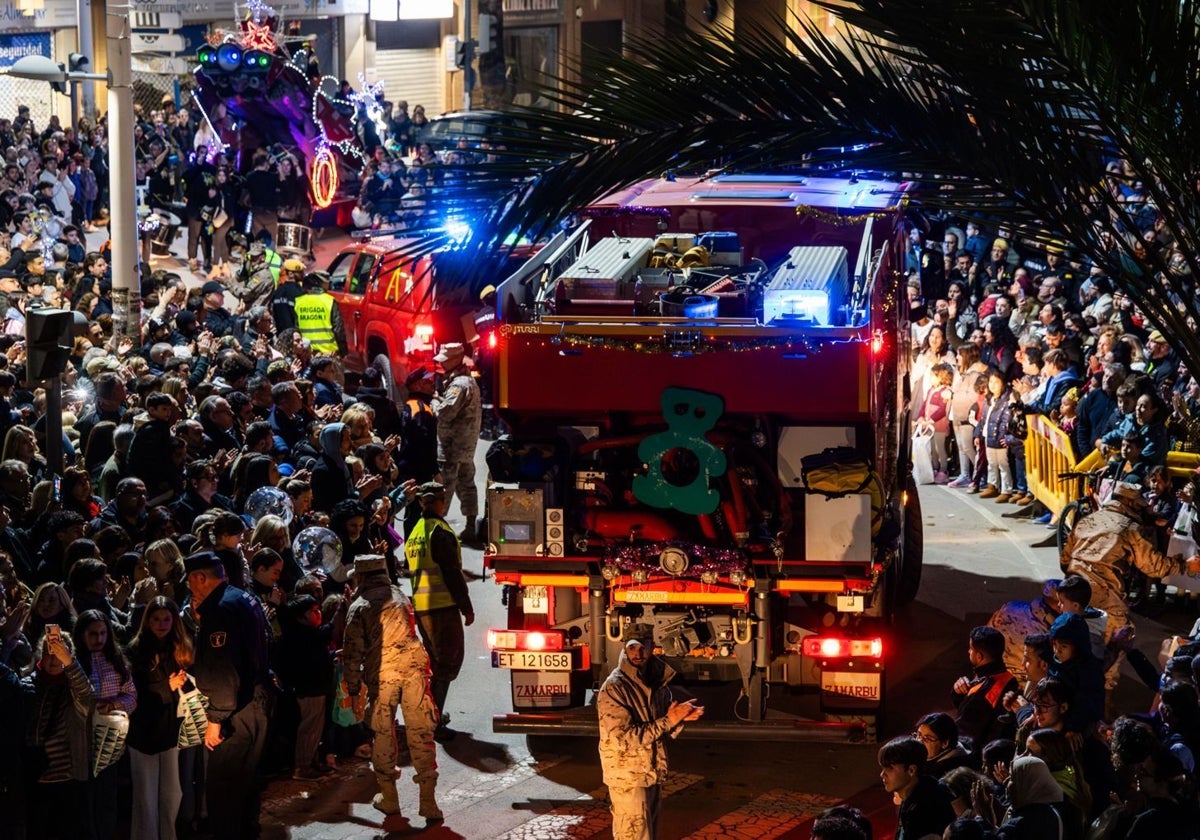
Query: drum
293, 240
162, 237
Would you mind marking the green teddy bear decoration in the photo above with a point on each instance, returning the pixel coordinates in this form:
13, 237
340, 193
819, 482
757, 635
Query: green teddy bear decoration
689, 415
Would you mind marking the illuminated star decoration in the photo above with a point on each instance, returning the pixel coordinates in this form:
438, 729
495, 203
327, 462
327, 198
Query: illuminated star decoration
258, 36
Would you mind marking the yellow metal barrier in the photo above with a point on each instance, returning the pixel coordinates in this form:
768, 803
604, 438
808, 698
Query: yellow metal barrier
1048, 453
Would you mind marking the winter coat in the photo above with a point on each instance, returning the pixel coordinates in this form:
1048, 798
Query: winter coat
633, 727
57, 735
995, 419
302, 657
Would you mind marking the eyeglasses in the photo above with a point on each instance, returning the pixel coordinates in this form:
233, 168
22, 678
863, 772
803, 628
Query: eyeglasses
1045, 705
926, 739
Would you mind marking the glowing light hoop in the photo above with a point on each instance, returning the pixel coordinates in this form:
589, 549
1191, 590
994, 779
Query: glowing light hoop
324, 178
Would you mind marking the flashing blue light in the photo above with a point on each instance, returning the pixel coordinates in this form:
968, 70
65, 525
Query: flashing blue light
457, 230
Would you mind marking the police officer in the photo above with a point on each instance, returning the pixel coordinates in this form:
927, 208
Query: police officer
459, 412
381, 649
440, 594
231, 670
319, 319
283, 302
417, 458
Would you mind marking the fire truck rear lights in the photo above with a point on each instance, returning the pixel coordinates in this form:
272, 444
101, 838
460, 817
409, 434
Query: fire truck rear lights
877, 342
526, 640
492, 340
423, 330
830, 647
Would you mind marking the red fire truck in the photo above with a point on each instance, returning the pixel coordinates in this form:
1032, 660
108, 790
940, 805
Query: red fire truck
707, 387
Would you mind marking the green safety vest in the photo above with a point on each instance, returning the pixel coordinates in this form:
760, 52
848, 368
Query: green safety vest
429, 587
275, 263
314, 319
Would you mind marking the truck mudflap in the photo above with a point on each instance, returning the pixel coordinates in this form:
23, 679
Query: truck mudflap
584, 724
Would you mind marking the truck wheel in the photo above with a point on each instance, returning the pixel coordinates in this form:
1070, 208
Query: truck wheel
395, 389
912, 550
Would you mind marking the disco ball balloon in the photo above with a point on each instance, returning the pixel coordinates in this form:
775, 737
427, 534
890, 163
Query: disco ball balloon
318, 549
269, 501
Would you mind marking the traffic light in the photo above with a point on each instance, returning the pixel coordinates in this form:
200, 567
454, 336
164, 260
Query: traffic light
487, 34
460, 54
49, 337
76, 63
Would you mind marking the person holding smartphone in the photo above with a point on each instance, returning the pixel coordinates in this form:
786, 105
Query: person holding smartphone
637, 716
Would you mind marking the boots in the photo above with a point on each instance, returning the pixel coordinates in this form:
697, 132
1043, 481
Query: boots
387, 800
429, 808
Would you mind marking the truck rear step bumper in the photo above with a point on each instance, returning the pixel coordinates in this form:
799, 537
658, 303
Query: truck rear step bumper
587, 726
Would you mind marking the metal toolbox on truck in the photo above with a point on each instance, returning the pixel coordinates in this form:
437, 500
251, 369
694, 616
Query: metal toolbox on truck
608, 270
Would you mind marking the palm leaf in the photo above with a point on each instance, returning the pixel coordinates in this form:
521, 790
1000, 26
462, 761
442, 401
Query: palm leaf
1001, 110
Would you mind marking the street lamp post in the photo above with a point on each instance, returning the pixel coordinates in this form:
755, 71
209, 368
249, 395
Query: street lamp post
127, 290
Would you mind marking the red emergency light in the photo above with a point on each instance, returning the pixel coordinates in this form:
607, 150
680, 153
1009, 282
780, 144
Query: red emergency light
526, 640
832, 647
492, 340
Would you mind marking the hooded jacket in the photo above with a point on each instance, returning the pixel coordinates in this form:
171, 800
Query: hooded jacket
331, 476
633, 724
1083, 672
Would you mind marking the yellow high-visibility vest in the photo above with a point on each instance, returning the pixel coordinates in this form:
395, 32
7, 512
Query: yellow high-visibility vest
428, 585
314, 319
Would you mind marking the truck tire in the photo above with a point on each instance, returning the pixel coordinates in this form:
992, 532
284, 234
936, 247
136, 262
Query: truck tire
395, 389
912, 549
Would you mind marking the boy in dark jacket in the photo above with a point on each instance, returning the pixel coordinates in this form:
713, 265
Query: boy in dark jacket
307, 672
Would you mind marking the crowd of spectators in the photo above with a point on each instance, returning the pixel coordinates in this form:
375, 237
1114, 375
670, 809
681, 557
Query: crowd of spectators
104, 567
1030, 743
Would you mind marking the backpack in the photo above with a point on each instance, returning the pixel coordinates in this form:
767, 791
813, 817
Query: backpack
843, 471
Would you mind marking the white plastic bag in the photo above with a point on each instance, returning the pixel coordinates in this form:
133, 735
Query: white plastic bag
922, 453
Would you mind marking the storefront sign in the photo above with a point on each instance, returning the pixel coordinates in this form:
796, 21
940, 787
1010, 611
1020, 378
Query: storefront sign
54, 15
14, 47
525, 12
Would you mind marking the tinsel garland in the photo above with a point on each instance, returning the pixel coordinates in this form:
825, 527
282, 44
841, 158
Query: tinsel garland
701, 345
702, 558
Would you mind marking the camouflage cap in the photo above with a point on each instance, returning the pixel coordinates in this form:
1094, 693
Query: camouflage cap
366, 563
431, 489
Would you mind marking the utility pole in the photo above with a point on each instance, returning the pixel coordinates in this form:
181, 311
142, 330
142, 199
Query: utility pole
126, 274
468, 56
86, 46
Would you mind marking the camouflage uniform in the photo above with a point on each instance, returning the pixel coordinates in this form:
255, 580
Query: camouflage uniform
258, 286
1018, 619
459, 411
383, 650
1101, 548
633, 725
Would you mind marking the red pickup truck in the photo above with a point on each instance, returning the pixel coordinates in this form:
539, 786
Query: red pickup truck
387, 301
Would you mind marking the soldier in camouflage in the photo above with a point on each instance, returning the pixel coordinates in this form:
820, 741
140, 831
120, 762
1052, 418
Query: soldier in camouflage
459, 411
382, 649
637, 715
1106, 544
1018, 619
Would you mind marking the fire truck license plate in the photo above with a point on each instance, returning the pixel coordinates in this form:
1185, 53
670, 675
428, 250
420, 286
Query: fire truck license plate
531, 660
859, 686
